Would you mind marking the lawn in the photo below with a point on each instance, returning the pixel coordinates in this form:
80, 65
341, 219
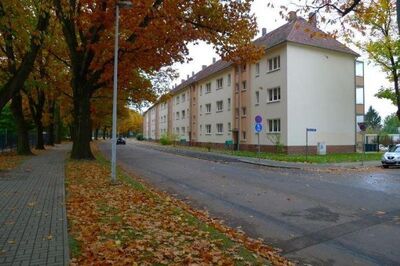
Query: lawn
131, 223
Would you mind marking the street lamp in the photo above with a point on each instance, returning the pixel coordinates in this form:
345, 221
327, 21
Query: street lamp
120, 4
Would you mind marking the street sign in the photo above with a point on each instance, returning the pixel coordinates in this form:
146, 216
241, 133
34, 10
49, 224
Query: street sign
362, 126
258, 127
311, 129
258, 119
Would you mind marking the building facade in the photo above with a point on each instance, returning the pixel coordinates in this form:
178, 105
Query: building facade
306, 79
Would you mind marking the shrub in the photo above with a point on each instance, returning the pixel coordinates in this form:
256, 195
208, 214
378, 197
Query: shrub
165, 140
139, 137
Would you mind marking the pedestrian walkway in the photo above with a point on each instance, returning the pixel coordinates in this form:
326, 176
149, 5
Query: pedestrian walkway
33, 224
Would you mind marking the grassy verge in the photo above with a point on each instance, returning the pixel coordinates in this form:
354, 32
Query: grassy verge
130, 223
329, 158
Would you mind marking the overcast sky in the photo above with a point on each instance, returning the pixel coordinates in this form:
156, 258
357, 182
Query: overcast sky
269, 18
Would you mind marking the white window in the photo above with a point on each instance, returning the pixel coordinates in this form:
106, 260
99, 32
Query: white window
244, 85
208, 129
183, 130
177, 130
220, 83
274, 63
183, 114
201, 109
177, 99
208, 87
359, 69
201, 90
360, 119
229, 104
177, 116
274, 125
229, 126
244, 111
274, 94
360, 96
257, 69
220, 128
220, 106
183, 97
257, 97
201, 129
208, 108
229, 80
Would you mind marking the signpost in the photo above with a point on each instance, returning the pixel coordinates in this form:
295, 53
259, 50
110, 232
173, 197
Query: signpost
363, 128
258, 128
308, 130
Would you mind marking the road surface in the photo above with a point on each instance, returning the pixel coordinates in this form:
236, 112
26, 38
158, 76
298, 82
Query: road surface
336, 218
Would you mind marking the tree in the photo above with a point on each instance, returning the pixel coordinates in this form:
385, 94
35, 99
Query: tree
373, 120
21, 22
391, 124
154, 34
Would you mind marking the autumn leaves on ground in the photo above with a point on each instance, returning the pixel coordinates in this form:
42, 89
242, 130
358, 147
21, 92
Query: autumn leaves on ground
131, 223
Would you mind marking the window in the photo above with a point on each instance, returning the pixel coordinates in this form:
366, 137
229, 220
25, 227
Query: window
208, 87
274, 63
229, 126
257, 69
257, 97
177, 130
237, 112
359, 119
220, 128
244, 111
229, 104
183, 114
177, 116
220, 106
177, 99
220, 83
208, 129
274, 94
183, 97
208, 108
244, 85
359, 95
201, 109
229, 79
244, 67
274, 125
244, 135
201, 129
359, 69
201, 90
237, 87
183, 130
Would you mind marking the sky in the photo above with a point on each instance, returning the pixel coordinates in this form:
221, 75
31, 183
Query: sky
202, 54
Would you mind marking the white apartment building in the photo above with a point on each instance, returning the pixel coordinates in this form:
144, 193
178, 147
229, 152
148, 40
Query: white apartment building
306, 79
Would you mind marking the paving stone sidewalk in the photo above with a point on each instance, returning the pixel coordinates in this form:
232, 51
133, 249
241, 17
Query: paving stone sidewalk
33, 224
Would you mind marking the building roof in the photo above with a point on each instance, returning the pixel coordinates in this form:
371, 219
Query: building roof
297, 30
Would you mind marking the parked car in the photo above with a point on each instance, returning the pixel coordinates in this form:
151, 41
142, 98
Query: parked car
383, 148
391, 157
121, 140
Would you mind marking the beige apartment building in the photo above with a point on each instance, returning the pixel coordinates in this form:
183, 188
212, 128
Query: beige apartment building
306, 79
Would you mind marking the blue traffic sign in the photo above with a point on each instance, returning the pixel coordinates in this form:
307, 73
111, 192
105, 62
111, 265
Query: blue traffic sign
258, 119
258, 127
311, 129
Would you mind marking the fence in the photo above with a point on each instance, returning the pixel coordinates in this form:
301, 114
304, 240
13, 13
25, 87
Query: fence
8, 140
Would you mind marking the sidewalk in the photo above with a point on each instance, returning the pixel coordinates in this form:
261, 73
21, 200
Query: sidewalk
215, 156
33, 225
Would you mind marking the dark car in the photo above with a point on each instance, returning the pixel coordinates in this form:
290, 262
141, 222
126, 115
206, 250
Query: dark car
121, 140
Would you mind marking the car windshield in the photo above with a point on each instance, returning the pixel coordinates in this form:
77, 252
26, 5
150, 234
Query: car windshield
395, 149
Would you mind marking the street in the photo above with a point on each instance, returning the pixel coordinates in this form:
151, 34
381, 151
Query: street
318, 218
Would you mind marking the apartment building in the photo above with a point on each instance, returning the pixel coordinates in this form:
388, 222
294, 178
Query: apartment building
306, 79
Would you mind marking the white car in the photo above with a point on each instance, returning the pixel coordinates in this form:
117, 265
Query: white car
391, 157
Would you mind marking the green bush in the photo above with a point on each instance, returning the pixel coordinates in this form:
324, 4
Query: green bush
165, 140
139, 137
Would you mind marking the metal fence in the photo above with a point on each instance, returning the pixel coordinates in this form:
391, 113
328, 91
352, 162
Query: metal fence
8, 141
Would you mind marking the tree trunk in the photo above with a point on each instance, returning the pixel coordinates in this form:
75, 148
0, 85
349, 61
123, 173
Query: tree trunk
82, 131
39, 135
50, 133
104, 133
22, 129
57, 124
96, 133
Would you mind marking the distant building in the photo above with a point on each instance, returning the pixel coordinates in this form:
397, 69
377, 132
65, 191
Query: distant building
306, 79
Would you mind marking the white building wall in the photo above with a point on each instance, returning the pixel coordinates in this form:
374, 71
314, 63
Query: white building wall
215, 117
269, 110
320, 95
178, 121
152, 133
163, 118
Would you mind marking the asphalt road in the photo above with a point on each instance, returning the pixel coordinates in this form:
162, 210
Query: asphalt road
337, 218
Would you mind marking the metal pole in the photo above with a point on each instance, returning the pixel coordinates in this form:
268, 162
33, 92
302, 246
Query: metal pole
258, 140
115, 95
306, 144
363, 157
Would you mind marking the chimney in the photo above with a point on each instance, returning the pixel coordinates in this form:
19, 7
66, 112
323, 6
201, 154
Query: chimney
214, 60
312, 19
264, 31
203, 67
292, 16
188, 76
192, 73
182, 80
